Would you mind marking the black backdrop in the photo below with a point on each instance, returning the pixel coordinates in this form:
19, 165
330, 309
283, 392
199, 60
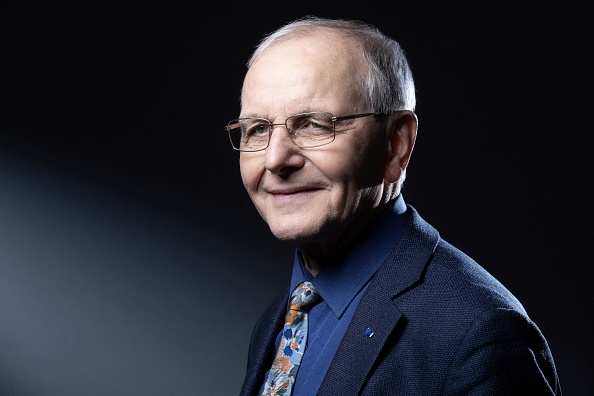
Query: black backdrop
131, 260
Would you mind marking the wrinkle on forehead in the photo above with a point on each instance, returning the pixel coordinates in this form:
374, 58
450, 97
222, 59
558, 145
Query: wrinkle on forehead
305, 74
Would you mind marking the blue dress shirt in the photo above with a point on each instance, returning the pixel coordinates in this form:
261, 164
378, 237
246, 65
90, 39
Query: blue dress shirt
341, 288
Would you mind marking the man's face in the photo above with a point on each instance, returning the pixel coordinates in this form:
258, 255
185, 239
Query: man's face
313, 195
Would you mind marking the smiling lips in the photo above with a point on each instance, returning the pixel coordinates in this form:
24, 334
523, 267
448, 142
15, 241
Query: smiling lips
295, 192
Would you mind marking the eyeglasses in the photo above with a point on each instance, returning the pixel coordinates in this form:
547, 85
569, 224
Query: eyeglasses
306, 130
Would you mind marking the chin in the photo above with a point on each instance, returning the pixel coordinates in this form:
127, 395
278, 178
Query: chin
286, 235
293, 232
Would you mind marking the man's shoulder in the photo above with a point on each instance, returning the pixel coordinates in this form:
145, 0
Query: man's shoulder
454, 270
444, 274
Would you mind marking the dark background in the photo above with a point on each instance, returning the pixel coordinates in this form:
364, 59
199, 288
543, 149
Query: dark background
133, 263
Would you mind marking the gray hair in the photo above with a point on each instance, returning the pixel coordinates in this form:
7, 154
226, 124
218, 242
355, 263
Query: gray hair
389, 86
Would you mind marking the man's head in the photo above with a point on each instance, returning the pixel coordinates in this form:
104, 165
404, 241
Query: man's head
320, 197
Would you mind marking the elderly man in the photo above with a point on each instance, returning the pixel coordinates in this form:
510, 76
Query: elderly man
382, 305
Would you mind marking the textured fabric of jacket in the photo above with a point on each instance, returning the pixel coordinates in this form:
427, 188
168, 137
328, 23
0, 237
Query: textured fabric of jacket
441, 324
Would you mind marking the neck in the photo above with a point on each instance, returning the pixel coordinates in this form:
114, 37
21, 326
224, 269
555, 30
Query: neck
318, 255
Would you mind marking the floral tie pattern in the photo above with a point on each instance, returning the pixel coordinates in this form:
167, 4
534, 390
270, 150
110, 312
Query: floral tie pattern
293, 340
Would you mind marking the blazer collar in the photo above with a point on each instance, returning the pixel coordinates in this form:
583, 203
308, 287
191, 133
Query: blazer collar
406, 263
377, 315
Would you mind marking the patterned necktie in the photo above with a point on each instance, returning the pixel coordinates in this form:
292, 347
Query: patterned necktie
282, 375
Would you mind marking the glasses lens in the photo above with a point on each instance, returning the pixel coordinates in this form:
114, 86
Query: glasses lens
311, 129
249, 134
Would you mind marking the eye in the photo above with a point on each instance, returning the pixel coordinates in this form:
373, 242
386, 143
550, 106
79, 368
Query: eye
312, 124
255, 128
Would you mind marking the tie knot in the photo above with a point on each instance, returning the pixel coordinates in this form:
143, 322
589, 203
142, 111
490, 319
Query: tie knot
303, 297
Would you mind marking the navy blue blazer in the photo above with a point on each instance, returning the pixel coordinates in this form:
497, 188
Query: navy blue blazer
442, 326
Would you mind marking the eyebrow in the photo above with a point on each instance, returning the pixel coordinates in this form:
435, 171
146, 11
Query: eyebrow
309, 110
251, 116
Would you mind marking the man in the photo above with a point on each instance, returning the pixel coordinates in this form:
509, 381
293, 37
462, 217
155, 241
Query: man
326, 132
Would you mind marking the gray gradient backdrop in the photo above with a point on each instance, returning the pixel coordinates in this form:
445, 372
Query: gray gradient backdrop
133, 263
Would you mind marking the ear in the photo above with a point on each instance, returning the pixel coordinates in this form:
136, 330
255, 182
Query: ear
401, 135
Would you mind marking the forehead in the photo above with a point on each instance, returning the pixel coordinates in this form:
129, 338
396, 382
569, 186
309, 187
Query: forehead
321, 71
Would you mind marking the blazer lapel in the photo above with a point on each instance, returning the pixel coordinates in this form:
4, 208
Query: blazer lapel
377, 315
372, 324
262, 351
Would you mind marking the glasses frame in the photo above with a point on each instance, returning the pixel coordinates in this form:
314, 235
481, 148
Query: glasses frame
271, 125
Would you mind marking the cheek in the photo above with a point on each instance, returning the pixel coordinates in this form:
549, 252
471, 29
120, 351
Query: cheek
248, 169
348, 180
360, 170
361, 178
370, 164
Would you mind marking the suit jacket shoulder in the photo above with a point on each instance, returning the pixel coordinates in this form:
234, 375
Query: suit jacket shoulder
434, 322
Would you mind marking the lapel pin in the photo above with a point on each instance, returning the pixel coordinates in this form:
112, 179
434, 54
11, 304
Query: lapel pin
369, 333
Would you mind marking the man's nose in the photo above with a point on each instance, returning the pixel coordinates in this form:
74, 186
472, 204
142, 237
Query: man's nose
282, 153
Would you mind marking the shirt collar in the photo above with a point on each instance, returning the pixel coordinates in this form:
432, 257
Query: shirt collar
339, 285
